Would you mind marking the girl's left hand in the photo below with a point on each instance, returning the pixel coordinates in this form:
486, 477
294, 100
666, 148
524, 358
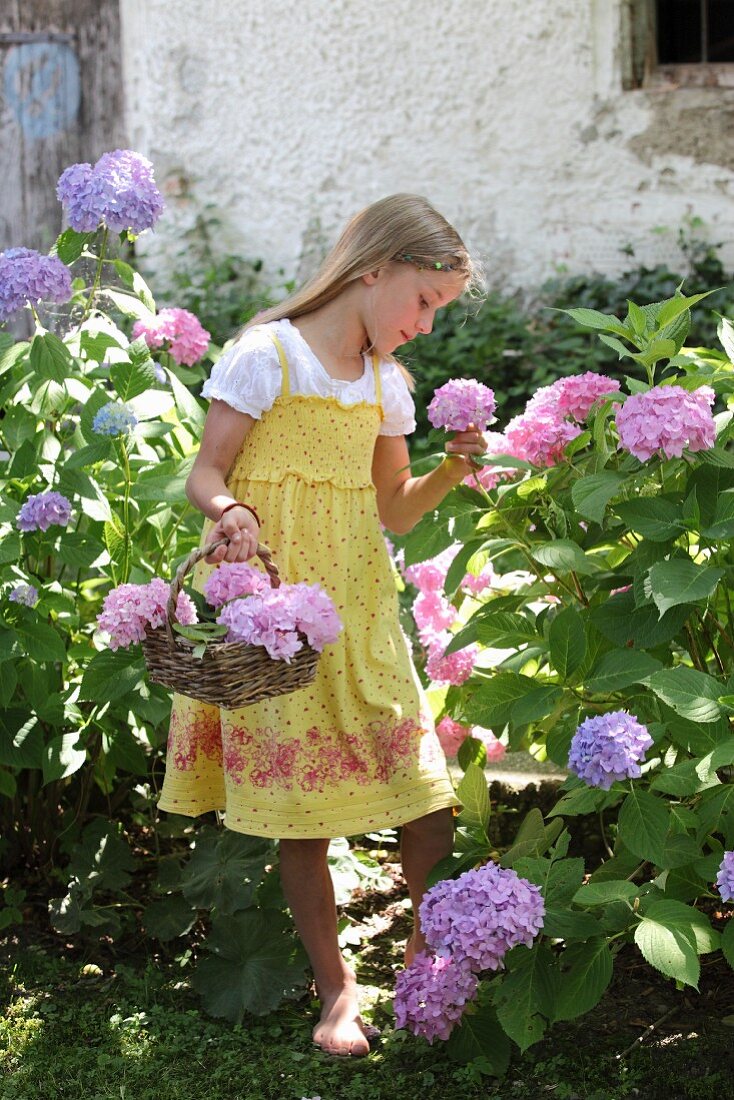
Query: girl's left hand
463, 446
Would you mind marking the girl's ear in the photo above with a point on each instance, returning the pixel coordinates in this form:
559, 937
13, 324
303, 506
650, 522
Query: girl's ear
371, 277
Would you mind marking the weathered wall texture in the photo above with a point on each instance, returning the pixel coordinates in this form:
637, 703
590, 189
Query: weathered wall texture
509, 114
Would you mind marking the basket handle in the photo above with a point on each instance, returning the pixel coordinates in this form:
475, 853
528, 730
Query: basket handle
263, 552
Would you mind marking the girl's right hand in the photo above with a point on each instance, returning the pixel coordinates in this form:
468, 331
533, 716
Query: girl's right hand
243, 531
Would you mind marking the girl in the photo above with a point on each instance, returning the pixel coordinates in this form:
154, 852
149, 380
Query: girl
304, 448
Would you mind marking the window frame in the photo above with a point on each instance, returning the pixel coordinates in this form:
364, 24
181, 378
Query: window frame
640, 66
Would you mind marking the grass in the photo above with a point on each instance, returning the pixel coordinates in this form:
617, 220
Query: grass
137, 1033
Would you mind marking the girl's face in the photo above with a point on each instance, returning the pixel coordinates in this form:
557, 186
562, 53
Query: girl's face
402, 302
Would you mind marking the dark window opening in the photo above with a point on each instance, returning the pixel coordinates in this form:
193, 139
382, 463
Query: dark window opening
694, 32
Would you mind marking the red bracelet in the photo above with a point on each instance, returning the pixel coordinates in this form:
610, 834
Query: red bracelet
240, 504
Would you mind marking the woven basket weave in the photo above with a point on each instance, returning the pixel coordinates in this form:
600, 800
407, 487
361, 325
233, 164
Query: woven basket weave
229, 674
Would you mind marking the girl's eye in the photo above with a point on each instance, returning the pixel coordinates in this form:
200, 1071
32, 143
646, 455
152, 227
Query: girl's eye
423, 303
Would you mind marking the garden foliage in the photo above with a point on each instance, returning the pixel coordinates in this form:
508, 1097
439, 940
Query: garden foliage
610, 610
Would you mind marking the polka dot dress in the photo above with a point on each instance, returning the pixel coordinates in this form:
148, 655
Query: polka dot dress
357, 750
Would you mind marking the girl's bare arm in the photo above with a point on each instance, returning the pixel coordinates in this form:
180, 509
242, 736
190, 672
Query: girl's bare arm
401, 499
206, 488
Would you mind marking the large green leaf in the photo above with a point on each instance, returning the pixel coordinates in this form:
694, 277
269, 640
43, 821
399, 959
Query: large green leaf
592, 494
40, 641
602, 893
103, 856
567, 638
50, 358
490, 705
427, 539
619, 668
21, 739
558, 879
225, 870
480, 1037
563, 556
563, 924
525, 998
474, 796
62, 757
671, 936
111, 675
254, 962
599, 322
498, 629
623, 623
722, 524
643, 825
681, 581
585, 974
169, 917
727, 942
131, 379
692, 694
656, 518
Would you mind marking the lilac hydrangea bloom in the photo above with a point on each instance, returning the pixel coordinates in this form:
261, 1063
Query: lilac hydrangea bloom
668, 419
431, 995
27, 276
114, 419
725, 877
129, 609
232, 579
480, 916
25, 594
278, 618
186, 337
39, 512
608, 747
461, 402
119, 192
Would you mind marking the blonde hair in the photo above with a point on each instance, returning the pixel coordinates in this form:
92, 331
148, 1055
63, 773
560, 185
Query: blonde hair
398, 227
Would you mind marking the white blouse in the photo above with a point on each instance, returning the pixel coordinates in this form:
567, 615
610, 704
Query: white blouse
248, 377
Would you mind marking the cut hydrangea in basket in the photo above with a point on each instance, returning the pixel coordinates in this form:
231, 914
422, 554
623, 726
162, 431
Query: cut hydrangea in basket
265, 641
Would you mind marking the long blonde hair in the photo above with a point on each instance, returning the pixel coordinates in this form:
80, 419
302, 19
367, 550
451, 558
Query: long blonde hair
397, 227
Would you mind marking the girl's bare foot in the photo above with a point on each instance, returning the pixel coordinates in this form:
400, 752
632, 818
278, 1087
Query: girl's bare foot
340, 1029
415, 944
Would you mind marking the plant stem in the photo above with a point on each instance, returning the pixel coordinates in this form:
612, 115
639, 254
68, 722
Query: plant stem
97, 277
169, 536
125, 572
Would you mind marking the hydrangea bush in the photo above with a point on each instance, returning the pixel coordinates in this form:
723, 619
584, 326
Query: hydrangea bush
98, 433
603, 517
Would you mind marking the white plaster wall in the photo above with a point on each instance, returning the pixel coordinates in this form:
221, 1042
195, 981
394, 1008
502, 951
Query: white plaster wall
508, 114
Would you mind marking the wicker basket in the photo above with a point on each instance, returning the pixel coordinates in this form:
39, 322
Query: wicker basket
229, 674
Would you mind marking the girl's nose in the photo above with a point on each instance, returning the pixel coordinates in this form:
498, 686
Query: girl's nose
425, 324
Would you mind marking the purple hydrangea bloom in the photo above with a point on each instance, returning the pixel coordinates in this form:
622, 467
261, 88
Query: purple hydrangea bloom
431, 995
461, 402
725, 877
114, 419
668, 419
119, 191
478, 917
27, 276
25, 594
608, 747
39, 512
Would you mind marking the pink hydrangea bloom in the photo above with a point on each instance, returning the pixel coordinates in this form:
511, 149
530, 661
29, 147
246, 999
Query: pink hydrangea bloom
453, 668
430, 575
462, 402
431, 995
451, 735
232, 579
433, 613
578, 394
130, 608
185, 337
279, 618
668, 419
481, 915
475, 585
540, 437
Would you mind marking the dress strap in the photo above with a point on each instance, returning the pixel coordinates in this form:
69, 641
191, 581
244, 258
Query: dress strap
286, 387
378, 382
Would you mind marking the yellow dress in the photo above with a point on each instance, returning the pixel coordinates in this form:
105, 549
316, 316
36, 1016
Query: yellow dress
357, 750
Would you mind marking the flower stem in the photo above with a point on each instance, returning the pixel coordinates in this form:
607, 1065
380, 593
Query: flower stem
97, 277
125, 571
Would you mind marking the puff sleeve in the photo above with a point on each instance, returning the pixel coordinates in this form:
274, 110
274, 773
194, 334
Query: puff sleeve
248, 375
397, 402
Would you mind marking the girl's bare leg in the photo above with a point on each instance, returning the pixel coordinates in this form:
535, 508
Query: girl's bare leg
309, 892
424, 842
